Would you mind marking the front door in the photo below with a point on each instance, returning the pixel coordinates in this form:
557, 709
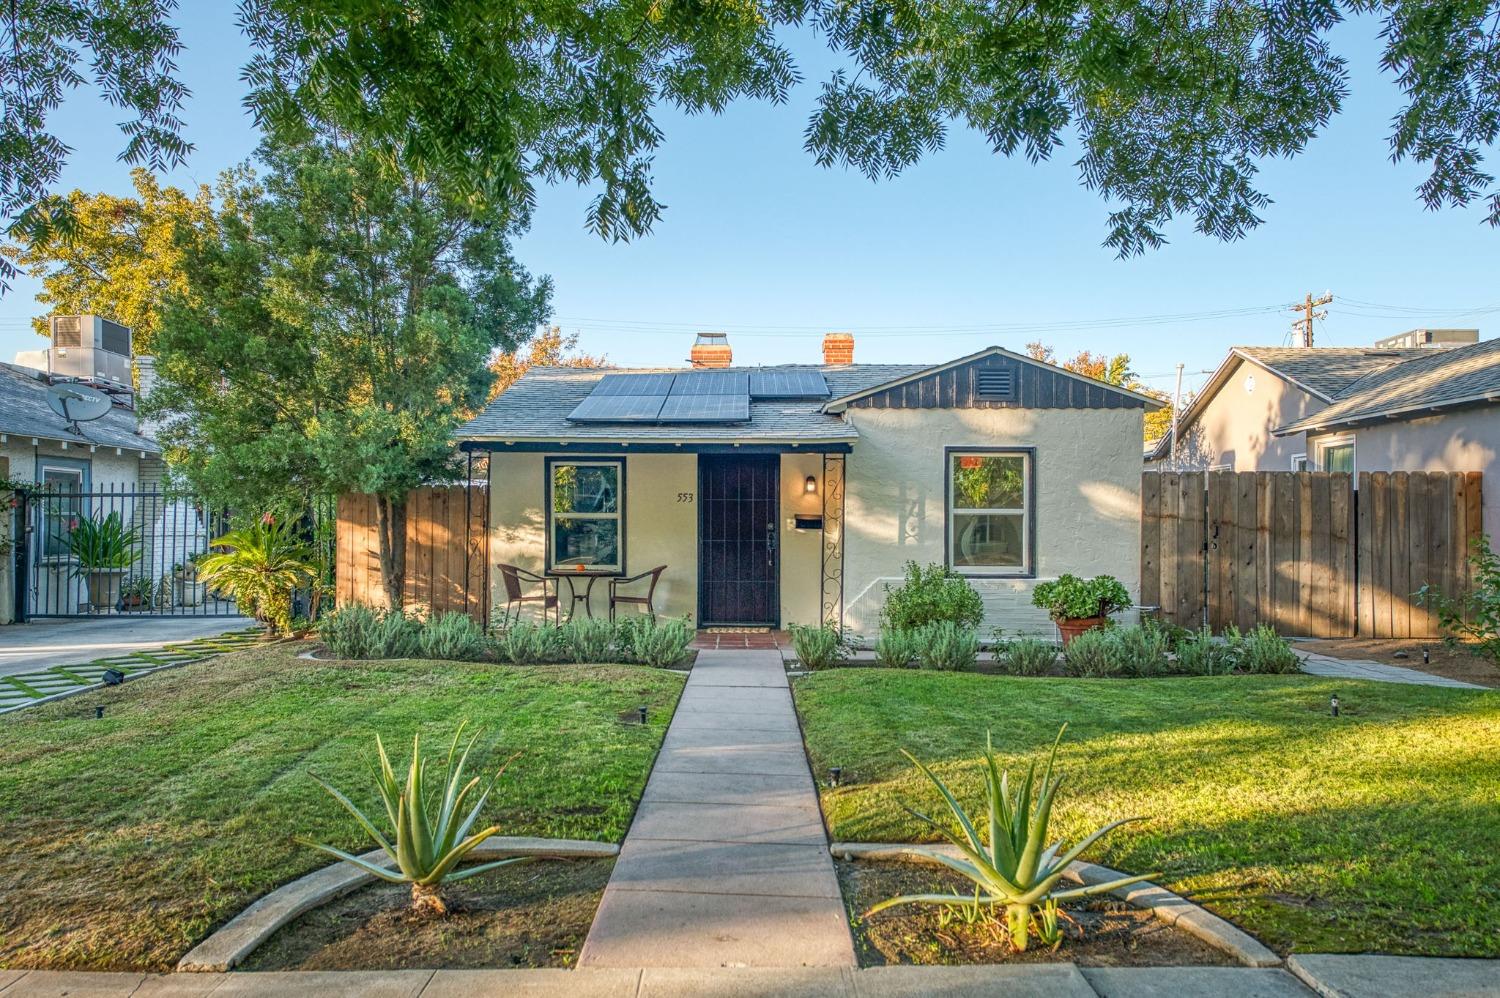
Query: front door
738, 526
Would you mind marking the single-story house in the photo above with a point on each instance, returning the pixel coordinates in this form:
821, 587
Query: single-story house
1438, 411
796, 493
38, 446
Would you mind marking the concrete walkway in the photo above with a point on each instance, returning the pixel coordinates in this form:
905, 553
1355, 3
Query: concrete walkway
726, 863
1348, 668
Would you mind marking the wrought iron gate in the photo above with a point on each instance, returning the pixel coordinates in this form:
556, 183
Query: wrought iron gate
115, 551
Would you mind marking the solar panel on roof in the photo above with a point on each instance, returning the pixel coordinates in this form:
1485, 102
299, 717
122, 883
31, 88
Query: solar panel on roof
788, 385
705, 409
711, 383
633, 384
618, 409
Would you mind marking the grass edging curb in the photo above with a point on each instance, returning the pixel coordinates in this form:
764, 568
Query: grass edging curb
1167, 907
241, 935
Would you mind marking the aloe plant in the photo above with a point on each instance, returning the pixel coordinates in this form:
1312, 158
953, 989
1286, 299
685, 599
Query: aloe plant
428, 846
1015, 869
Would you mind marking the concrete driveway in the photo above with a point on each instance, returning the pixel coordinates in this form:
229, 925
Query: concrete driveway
40, 644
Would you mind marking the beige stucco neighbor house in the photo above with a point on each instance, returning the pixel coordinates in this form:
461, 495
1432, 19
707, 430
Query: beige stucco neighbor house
795, 493
1438, 411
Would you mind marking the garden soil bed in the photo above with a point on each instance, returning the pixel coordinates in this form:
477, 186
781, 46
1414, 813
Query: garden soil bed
1100, 932
531, 914
1465, 663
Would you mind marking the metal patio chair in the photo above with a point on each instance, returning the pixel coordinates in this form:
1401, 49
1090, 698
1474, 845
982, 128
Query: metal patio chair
516, 581
646, 601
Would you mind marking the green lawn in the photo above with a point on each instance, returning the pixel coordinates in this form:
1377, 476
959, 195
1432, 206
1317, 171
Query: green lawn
126, 840
1378, 830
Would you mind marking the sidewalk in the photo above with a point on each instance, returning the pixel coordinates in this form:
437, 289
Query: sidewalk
1348, 668
726, 863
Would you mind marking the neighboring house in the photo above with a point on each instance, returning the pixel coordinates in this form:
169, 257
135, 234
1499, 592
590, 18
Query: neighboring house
796, 493
1421, 401
1438, 411
1230, 425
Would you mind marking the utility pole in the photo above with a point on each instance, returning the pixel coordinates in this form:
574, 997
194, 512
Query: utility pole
1304, 325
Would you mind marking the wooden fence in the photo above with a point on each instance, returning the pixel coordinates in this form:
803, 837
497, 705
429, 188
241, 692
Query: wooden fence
1304, 551
447, 551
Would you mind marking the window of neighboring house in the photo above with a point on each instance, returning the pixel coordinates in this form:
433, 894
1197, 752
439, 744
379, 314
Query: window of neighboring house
64, 481
585, 515
1337, 455
989, 512
1299, 462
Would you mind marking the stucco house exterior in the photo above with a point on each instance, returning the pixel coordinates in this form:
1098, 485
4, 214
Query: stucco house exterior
1438, 411
795, 493
38, 446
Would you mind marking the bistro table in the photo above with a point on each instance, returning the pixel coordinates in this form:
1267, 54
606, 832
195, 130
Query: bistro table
574, 596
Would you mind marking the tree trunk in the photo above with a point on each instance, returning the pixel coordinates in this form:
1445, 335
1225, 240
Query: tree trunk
390, 522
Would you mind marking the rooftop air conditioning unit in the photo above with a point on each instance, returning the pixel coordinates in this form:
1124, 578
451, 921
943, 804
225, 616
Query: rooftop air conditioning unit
90, 348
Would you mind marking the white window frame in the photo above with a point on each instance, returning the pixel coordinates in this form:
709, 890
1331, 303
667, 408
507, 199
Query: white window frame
1300, 462
618, 516
1342, 440
952, 512
52, 545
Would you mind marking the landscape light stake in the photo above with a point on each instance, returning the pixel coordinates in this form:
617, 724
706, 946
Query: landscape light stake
642, 709
835, 773
1426, 656
1333, 705
98, 712
113, 677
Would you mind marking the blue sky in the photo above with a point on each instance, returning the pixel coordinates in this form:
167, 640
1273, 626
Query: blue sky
965, 250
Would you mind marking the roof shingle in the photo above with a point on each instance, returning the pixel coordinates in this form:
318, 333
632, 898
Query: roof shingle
24, 412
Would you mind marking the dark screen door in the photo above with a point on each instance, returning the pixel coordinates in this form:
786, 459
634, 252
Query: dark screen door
738, 521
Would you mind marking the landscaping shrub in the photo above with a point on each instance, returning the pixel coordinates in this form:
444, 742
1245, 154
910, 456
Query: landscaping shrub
263, 563
453, 637
431, 832
351, 632
660, 643
1475, 617
1198, 654
1019, 868
588, 640
527, 643
1142, 651
1070, 598
930, 595
1093, 655
1263, 651
1026, 656
947, 647
820, 647
895, 648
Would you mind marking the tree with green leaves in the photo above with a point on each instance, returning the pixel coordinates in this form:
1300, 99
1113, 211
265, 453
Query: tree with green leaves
336, 332
123, 255
1112, 369
1172, 104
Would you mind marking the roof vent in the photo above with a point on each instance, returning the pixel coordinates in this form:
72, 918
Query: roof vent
997, 383
711, 350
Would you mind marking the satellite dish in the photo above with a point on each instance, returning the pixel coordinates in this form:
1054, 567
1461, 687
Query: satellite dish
78, 403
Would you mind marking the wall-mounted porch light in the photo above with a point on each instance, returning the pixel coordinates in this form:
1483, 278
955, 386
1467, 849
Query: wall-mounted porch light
810, 486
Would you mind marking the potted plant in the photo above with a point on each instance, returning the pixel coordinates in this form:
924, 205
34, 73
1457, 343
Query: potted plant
1077, 605
135, 593
102, 550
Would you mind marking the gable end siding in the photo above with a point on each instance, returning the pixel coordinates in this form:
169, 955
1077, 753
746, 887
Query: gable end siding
1035, 387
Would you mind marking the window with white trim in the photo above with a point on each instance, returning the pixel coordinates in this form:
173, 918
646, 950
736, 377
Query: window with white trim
989, 515
1336, 454
64, 482
585, 515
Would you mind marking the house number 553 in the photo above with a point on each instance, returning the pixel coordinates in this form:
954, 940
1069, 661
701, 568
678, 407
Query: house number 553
684, 497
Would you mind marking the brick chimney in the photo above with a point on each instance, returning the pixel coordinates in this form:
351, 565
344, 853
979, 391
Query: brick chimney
711, 350
838, 348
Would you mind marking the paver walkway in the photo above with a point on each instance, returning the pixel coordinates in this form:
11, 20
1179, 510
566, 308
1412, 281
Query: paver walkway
726, 863
1348, 668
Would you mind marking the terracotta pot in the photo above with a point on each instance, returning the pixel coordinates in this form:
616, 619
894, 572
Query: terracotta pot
1071, 627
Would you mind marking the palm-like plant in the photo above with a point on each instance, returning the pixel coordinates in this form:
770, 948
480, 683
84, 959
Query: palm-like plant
264, 563
1014, 869
432, 832
102, 545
